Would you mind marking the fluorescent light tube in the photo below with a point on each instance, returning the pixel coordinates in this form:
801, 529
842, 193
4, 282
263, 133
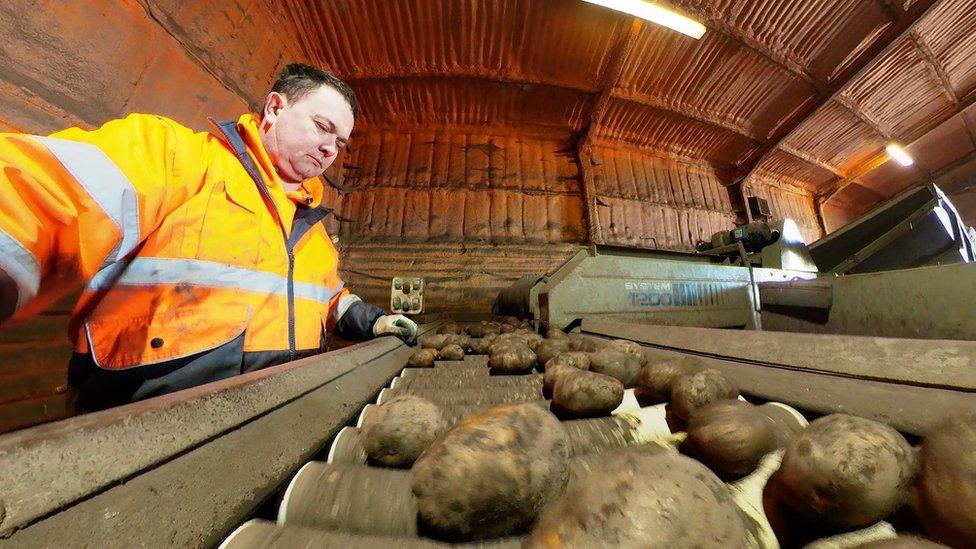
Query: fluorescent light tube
655, 14
895, 151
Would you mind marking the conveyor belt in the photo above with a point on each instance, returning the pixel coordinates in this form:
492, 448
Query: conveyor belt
295, 432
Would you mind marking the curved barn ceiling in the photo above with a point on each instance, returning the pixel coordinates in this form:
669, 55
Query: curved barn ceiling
804, 93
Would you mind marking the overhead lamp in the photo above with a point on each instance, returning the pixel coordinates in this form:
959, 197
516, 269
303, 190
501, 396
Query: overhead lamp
655, 14
896, 151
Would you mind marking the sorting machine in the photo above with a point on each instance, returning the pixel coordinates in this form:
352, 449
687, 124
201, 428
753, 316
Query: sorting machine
282, 445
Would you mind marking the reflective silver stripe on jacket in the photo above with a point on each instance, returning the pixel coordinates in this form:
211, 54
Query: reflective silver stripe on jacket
149, 271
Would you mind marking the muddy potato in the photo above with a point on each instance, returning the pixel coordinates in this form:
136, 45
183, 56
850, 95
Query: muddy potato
656, 378
510, 339
730, 437
511, 359
492, 474
555, 333
422, 358
548, 349
398, 431
553, 373
901, 542
641, 499
479, 346
841, 472
452, 352
576, 359
631, 348
615, 363
691, 392
945, 495
586, 394
533, 340
432, 341
579, 342
450, 327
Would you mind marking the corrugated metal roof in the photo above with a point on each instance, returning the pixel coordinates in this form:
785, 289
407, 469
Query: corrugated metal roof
722, 100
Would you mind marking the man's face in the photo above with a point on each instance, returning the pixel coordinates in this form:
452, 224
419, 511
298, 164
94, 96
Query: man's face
303, 137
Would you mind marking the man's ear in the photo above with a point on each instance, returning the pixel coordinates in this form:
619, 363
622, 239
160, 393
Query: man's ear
272, 104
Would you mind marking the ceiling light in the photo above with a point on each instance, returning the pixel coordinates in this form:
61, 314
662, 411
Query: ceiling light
655, 14
896, 151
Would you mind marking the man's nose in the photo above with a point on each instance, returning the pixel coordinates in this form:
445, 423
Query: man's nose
329, 147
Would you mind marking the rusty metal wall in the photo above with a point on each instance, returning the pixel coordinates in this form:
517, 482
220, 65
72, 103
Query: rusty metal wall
651, 202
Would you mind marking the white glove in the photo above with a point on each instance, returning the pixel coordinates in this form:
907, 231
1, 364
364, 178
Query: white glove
397, 325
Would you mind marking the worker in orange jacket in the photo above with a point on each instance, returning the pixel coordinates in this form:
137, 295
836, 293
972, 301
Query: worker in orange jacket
202, 255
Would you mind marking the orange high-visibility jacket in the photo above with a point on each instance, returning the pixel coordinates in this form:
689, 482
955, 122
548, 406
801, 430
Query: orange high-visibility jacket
196, 263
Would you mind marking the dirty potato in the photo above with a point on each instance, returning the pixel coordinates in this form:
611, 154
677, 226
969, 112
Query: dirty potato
586, 394
548, 349
422, 358
656, 378
631, 348
691, 392
452, 352
730, 437
479, 346
615, 363
945, 496
641, 499
842, 472
396, 432
511, 359
492, 474
553, 373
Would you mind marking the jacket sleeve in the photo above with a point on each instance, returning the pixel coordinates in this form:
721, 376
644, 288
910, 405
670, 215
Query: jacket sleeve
77, 202
352, 318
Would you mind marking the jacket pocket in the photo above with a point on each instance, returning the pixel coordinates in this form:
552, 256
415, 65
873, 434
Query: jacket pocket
120, 342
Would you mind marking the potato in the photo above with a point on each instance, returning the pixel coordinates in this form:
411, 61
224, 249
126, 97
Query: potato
506, 328
510, 339
642, 499
730, 437
450, 327
586, 394
787, 421
452, 352
945, 496
432, 341
479, 346
396, 432
576, 359
492, 474
552, 375
555, 333
422, 358
477, 330
616, 363
579, 342
548, 349
841, 472
693, 391
631, 348
509, 320
901, 542
656, 378
511, 359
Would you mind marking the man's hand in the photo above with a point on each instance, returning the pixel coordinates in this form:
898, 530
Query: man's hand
397, 325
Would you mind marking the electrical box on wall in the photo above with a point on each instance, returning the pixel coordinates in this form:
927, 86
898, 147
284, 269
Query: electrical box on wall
407, 295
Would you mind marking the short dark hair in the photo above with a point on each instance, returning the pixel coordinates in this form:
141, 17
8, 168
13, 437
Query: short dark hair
297, 80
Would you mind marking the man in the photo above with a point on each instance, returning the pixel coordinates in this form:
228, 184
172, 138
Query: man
202, 255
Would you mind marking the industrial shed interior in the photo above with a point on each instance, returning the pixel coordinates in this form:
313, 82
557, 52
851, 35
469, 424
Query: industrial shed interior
539, 168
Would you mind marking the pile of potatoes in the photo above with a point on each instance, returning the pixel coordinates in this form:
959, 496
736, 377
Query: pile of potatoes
505, 471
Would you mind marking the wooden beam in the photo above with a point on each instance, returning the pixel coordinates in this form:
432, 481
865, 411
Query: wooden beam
857, 111
883, 45
811, 160
935, 66
911, 139
584, 146
748, 43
